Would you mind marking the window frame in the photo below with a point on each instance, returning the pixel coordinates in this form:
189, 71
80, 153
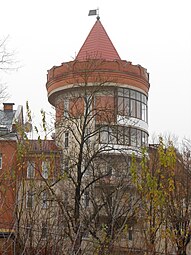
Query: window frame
29, 199
45, 199
66, 108
132, 103
66, 140
45, 166
30, 168
128, 136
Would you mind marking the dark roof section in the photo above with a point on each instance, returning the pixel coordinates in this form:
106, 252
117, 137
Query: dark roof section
98, 45
6, 119
9, 120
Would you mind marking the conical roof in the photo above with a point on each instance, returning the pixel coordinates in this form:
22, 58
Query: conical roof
98, 45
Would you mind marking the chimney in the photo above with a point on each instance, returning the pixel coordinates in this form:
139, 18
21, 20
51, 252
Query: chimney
8, 106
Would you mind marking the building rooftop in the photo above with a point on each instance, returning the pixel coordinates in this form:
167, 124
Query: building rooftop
98, 45
8, 119
38, 146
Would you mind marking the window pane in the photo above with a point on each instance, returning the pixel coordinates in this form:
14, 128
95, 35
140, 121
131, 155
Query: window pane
144, 99
66, 107
133, 108
133, 94
133, 137
104, 135
45, 169
126, 136
144, 139
120, 105
138, 110
126, 92
126, 106
120, 91
30, 169
66, 140
29, 199
120, 135
138, 96
112, 135
138, 138
144, 112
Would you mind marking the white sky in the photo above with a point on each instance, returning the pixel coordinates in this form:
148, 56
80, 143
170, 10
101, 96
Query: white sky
154, 34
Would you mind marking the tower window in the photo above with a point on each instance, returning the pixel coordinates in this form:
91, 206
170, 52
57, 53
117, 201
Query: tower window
123, 135
130, 234
66, 165
66, 139
132, 103
66, 107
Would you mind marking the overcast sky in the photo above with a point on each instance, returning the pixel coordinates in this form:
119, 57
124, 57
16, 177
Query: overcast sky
154, 34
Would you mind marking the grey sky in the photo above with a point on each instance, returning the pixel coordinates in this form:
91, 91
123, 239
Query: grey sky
154, 34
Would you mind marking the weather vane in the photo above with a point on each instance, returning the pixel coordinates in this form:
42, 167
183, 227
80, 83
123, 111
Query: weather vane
94, 12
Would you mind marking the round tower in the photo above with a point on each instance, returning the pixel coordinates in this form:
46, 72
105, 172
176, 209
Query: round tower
101, 118
114, 90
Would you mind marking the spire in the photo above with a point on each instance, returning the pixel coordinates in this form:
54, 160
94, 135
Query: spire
98, 45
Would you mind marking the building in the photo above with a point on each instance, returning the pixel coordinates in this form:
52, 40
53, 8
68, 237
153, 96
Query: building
101, 120
10, 121
26, 169
85, 191
37, 213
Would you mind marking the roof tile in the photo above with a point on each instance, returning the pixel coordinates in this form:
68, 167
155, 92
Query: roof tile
98, 45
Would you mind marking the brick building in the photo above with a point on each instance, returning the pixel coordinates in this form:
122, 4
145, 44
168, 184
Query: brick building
101, 104
65, 190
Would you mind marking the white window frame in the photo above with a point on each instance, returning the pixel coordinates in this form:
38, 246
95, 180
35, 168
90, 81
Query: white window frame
45, 169
30, 169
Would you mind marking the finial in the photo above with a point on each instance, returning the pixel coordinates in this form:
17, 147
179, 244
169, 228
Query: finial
98, 17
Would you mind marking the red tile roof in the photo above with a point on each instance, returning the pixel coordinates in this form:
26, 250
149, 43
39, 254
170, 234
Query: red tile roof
98, 45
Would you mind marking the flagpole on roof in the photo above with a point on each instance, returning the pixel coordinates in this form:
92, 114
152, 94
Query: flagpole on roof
98, 17
94, 12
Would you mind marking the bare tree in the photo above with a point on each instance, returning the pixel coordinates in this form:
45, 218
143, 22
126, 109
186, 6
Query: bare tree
178, 204
7, 63
97, 202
